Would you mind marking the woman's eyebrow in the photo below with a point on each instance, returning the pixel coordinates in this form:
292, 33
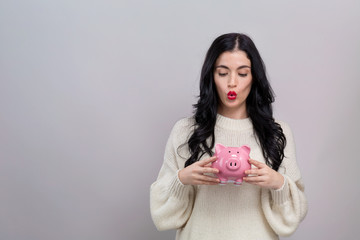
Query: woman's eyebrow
223, 66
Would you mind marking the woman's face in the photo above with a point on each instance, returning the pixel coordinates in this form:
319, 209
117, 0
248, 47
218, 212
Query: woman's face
232, 75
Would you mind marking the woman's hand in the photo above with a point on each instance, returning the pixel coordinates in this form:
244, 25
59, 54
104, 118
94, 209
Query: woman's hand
194, 174
264, 176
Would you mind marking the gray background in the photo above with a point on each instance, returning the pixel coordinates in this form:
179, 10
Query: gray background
89, 91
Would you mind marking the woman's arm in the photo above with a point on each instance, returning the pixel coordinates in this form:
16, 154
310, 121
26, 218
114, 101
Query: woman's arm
171, 201
286, 207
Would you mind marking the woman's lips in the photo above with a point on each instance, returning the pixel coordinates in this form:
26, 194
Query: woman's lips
231, 95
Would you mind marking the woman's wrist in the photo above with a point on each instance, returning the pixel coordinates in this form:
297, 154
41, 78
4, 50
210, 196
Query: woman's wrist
178, 176
281, 182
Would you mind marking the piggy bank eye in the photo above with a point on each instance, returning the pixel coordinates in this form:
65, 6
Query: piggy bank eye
229, 151
237, 151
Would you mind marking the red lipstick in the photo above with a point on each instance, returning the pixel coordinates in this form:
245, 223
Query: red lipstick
231, 95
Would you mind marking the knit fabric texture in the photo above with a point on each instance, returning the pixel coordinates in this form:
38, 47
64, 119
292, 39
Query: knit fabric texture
207, 212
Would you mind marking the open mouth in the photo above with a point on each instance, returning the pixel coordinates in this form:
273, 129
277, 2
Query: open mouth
231, 95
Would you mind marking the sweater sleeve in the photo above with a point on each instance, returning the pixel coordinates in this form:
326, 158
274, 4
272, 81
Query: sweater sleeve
285, 208
171, 202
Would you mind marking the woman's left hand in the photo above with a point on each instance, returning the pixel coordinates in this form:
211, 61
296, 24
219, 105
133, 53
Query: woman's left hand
263, 176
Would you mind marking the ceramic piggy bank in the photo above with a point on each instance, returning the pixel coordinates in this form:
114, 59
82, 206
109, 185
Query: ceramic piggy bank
232, 162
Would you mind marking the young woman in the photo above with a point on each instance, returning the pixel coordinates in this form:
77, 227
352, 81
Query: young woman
234, 108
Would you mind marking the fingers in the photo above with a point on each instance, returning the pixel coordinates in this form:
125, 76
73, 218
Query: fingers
255, 171
209, 179
207, 161
257, 163
252, 172
255, 179
210, 170
263, 176
200, 179
259, 174
196, 174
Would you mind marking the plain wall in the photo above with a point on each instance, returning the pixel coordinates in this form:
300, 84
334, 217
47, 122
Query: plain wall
89, 91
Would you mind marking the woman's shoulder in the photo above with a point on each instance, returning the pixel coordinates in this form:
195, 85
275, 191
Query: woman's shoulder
282, 123
184, 123
183, 128
285, 127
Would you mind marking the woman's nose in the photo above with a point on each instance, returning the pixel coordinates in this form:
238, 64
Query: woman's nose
232, 81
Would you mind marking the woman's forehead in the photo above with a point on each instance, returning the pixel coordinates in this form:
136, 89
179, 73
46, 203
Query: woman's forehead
233, 59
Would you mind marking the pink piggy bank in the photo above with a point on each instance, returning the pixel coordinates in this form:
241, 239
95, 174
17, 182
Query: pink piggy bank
232, 162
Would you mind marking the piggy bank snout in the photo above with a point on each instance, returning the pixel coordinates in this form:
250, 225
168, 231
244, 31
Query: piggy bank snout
233, 164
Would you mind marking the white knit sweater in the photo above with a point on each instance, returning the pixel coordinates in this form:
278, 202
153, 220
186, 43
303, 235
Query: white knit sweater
226, 212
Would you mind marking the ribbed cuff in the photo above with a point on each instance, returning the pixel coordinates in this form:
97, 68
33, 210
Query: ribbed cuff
177, 188
281, 195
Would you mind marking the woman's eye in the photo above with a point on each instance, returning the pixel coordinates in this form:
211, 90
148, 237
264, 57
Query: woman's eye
222, 74
242, 74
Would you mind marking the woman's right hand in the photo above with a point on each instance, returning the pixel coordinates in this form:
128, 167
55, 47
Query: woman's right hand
194, 174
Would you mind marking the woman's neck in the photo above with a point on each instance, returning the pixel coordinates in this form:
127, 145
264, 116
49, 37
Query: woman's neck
234, 114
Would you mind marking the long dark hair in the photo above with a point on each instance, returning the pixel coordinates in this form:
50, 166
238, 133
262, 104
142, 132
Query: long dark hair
258, 104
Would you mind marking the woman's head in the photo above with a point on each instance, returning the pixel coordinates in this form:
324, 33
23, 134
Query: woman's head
233, 79
235, 53
227, 45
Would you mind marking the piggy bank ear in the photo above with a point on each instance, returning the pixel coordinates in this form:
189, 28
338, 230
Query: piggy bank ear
219, 147
246, 148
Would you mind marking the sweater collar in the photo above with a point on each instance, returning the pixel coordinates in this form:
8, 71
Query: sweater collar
233, 124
